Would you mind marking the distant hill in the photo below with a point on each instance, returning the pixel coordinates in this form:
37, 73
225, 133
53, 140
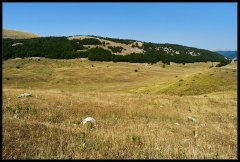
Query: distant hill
228, 54
14, 34
97, 48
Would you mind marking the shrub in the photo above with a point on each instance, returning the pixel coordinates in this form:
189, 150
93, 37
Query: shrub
116, 49
18, 67
159, 152
163, 65
136, 70
134, 138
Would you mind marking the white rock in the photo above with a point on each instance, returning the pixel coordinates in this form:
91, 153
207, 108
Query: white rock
88, 120
176, 123
177, 52
192, 119
16, 44
25, 95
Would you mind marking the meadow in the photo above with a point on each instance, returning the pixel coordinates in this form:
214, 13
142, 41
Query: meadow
141, 110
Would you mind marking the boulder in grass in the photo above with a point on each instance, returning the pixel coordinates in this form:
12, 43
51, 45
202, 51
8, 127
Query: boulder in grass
192, 119
176, 123
25, 95
88, 120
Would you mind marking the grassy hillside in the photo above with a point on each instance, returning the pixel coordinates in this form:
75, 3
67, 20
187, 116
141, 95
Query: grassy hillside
204, 82
14, 34
134, 104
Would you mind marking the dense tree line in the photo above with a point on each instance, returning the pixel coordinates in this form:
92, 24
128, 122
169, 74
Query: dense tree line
50, 47
100, 54
184, 55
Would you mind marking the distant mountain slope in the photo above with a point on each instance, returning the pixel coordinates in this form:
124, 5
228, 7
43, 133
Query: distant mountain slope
97, 48
14, 34
229, 54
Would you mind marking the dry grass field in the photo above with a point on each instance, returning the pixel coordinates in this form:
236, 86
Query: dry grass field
136, 108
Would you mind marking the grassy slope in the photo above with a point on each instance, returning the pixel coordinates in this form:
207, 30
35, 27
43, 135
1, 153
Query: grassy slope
204, 82
14, 34
130, 123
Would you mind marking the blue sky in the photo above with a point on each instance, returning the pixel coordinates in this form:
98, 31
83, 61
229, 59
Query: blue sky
203, 25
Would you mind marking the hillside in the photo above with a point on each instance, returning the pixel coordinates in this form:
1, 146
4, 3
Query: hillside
14, 34
97, 48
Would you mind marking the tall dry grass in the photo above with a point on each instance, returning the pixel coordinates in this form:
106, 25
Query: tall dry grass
128, 126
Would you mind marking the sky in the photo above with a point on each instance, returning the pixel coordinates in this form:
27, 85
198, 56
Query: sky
210, 26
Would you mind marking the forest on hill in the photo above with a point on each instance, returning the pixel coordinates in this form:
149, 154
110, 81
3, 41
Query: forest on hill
62, 48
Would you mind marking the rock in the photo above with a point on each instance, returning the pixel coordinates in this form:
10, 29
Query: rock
176, 123
88, 120
17, 44
191, 119
25, 95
